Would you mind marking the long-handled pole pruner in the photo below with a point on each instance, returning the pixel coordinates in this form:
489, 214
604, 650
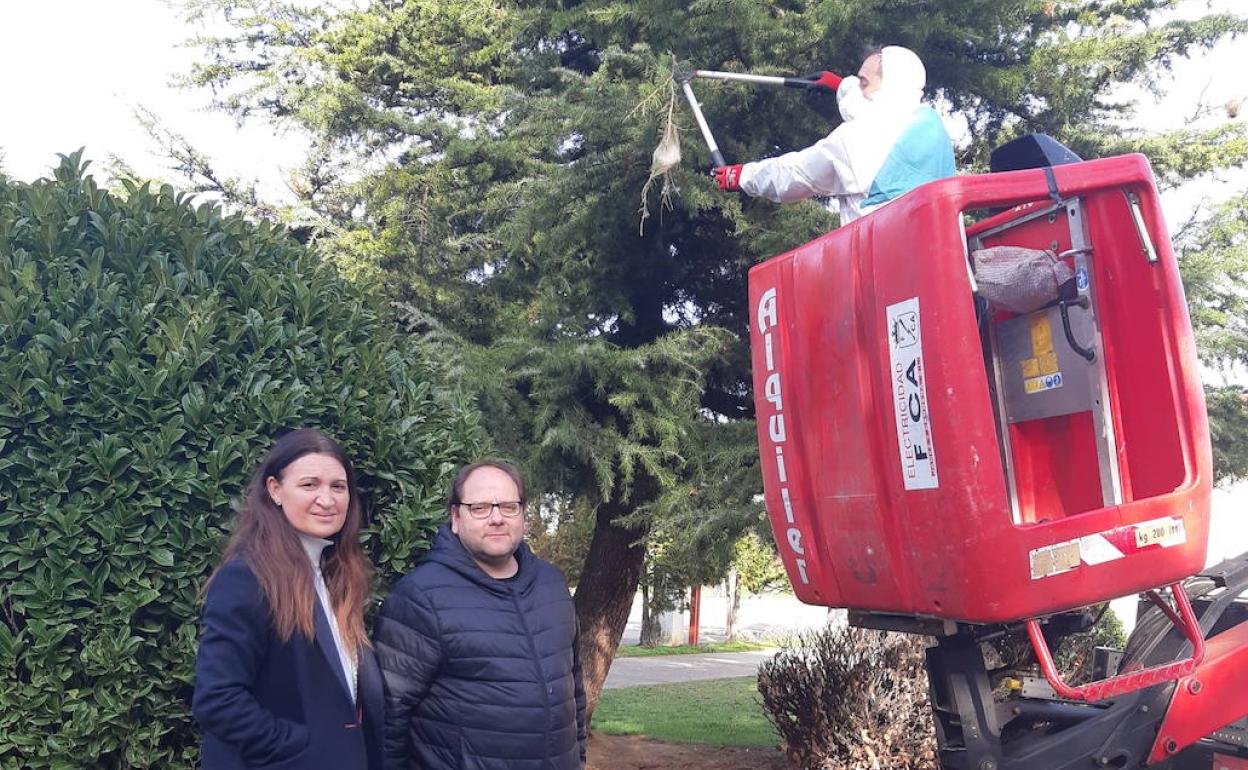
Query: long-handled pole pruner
824, 80
684, 74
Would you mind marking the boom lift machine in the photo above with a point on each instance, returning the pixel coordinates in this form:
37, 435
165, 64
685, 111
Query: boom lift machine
940, 465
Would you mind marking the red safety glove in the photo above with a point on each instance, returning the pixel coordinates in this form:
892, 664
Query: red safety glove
824, 79
728, 177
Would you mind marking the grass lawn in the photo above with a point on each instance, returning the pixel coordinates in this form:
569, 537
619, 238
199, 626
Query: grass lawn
720, 712
636, 651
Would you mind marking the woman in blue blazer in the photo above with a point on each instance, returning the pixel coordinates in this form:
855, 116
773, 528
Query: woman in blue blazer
285, 678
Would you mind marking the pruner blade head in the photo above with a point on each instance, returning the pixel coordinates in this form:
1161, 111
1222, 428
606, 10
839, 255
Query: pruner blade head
682, 70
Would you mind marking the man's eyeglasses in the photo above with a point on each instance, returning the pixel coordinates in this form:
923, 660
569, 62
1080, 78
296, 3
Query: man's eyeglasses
509, 509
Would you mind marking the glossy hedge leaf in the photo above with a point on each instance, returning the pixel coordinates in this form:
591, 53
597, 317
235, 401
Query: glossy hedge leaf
150, 350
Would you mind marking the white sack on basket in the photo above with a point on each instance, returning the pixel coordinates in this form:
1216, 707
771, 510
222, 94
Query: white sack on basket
1019, 280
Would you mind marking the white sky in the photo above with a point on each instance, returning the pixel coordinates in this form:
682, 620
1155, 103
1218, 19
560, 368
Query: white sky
74, 70
1212, 78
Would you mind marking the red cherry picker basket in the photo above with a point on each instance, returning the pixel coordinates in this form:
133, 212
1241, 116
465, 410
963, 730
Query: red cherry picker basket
939, 465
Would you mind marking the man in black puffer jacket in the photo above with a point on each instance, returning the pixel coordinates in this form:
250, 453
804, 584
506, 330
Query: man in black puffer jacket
478, 644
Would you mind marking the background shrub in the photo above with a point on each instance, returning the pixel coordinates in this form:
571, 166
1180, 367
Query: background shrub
1074, 654
845, 698
1013, 655
150, 350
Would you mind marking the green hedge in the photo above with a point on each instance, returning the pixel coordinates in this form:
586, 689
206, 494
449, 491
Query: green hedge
150, 350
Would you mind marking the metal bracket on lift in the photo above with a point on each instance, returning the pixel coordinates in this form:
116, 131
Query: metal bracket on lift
1232, 573
1183, 618
1141, 229
1031, 730
1102, 419
1086, 387
906, 624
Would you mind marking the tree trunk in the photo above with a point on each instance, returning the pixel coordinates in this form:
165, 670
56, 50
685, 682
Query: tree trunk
604, 594
734, 606
651, 628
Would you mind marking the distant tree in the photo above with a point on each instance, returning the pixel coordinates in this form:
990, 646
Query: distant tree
755, 567
698, 521
559, 531
1213, 258
668, 574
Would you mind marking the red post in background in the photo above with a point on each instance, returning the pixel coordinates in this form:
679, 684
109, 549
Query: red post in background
695, 609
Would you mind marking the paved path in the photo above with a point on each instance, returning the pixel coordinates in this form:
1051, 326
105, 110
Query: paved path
661, 669
769, 616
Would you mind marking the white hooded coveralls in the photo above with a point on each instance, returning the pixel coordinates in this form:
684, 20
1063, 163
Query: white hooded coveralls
886, 146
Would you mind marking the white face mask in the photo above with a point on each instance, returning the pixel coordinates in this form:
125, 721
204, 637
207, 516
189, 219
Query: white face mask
850, 100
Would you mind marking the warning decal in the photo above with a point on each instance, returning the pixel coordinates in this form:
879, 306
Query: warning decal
1040, 372
1107, 546
1163, 532
914, 426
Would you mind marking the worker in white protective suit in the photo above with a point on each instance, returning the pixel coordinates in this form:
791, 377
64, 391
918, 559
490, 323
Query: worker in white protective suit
889, 143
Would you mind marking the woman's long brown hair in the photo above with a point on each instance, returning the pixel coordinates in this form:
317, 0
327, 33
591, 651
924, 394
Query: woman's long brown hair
270, 546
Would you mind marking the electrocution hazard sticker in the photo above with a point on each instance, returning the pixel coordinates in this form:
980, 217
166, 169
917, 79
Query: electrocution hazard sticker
909, 386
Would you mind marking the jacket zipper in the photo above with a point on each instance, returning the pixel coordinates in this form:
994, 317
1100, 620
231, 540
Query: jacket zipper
537, 663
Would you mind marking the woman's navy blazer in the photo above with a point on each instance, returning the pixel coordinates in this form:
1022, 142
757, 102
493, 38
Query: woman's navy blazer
265, 704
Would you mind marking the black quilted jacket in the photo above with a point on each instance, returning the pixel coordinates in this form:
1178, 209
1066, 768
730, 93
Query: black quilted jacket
481, 674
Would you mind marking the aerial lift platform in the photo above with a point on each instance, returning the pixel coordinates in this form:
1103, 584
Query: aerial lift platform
942, 466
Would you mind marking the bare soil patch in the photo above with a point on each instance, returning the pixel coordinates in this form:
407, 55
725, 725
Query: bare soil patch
631, 752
